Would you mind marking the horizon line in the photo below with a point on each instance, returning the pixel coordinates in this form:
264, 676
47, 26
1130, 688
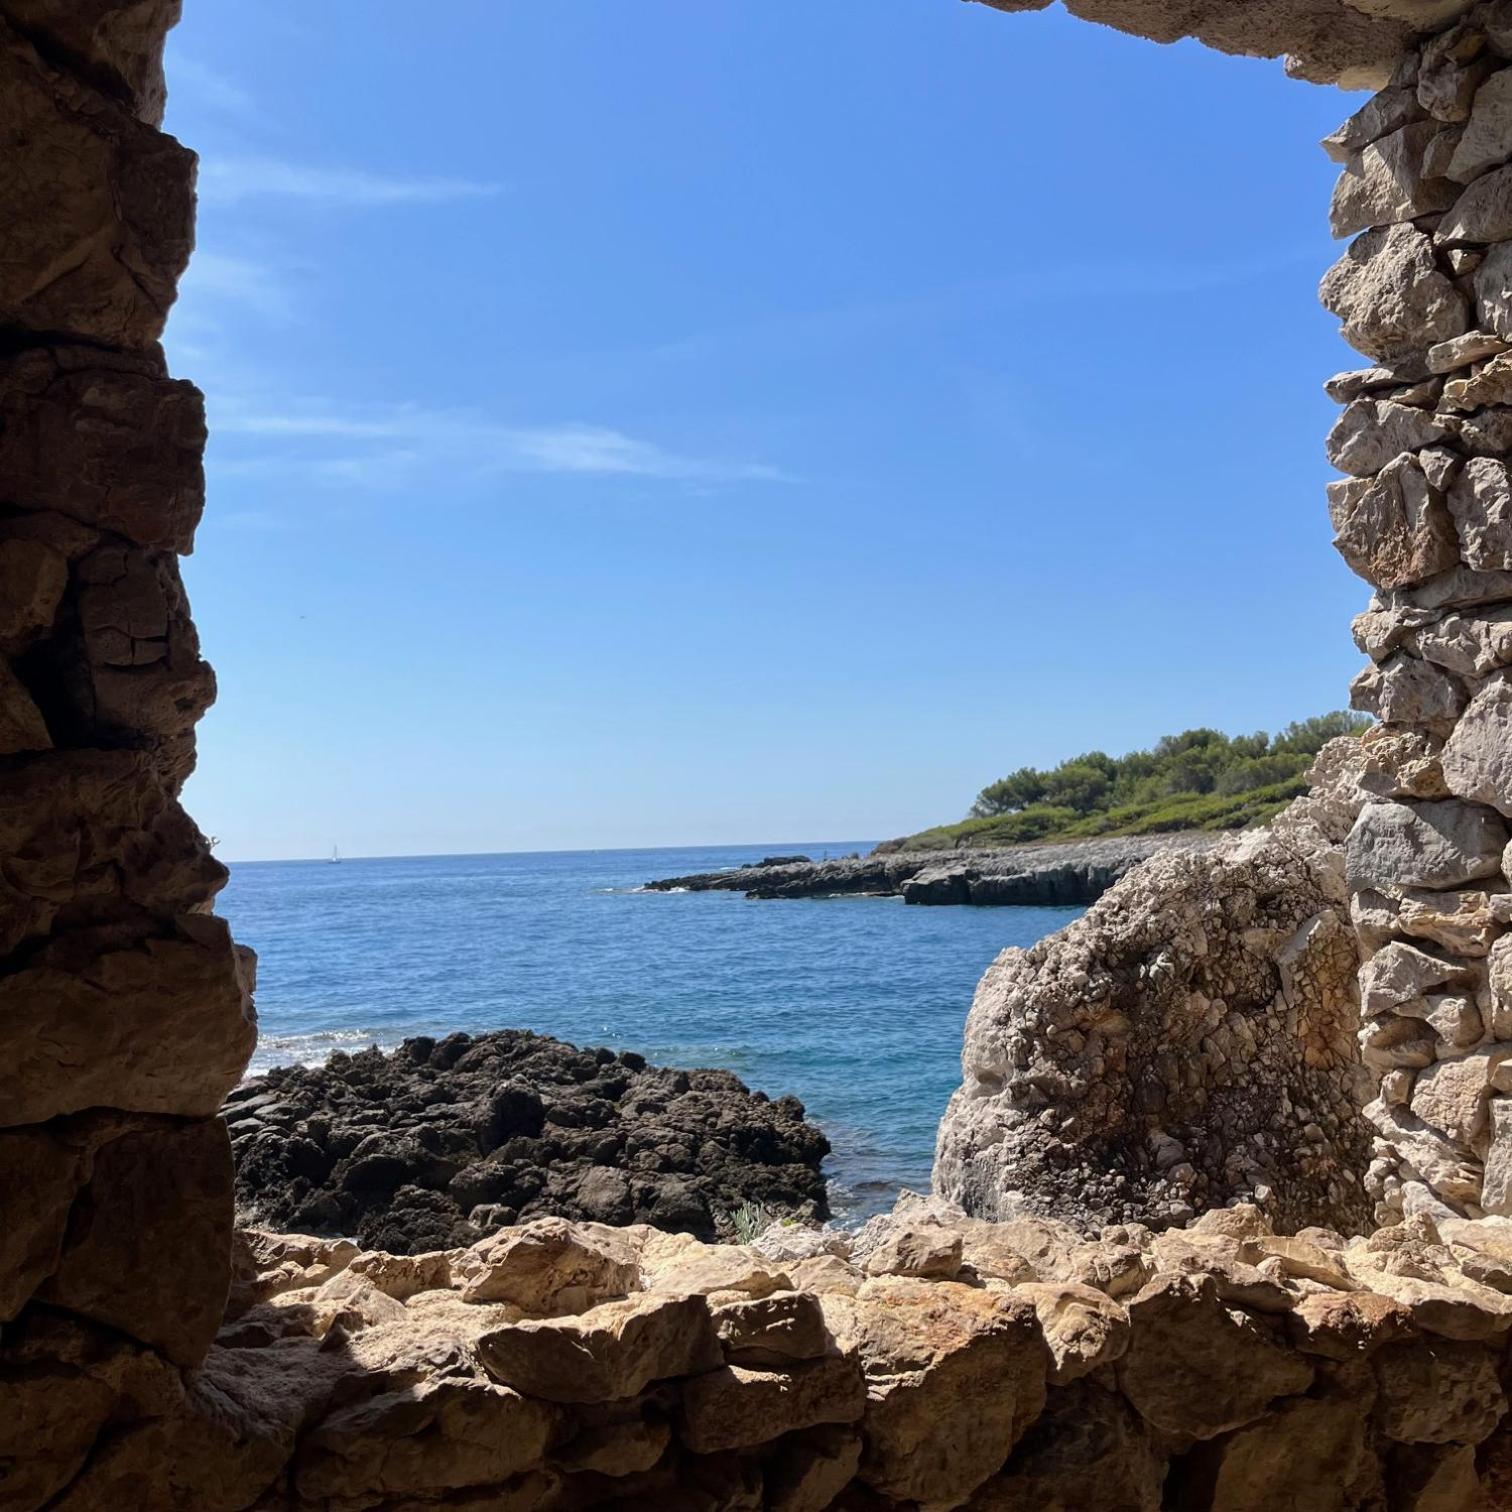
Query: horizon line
567, 850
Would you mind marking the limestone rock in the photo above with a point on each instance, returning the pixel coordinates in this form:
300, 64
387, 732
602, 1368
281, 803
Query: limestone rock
1372, 432
1083, 1329
1384, 114
1388, 181
152, 1195
928, 1252
1451, 1095
1408, 690
1390, 295
738, 1407
1480, 502
954, 1377
1482, 213
1195, 1368
613, 1350
1087, 1453
1438, 1392
101, 227
772, 1331
165, 1027
1487, 138
133, 436
1309, 1455
117, 45
1346, 1326
810, 1470
1152, 1014
1493, 297
1477, 759
1450, 356
1451, 66
1496, 1189
446, 1436
548, 1266
1437, 845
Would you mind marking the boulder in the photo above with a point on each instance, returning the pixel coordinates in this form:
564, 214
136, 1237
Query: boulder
772, 1331
614, 1350
416, 1445
1477, 757
163, 1027
954, 1376
1480, 502
1436, 845
1436, 1391
1197, 1369
1393, 529
102, 223
548, 1266
1481, 214
1391, 296
1373, 432
1389, 180
1309, 1455
1087, 1453
1083, 1329
738, 1407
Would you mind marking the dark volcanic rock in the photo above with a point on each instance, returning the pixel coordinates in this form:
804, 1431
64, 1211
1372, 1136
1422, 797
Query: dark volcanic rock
442, 1141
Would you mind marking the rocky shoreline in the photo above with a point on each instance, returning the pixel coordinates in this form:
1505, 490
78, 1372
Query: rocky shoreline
1044, 876
441, 1142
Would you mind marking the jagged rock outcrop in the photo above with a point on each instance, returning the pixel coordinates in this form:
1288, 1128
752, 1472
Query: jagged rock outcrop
1063, 875
434, 1145
557, 1366
1190, 1040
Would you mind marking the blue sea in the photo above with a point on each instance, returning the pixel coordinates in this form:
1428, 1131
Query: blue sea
855, 1005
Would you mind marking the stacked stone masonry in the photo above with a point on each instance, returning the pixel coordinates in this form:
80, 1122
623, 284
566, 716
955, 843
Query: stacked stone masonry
1424, 514
151, 1360
932, 1361
124, 1005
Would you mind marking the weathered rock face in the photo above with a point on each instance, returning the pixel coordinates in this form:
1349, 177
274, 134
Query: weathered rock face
124, 1005
1427, 521
1189, 1041
438, 1143
1352, 42
563, 1366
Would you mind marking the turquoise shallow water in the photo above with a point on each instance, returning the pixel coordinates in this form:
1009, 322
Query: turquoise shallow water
854, 1004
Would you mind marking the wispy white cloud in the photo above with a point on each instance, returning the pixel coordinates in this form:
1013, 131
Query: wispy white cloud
230, 180
388, 447
209, 87
220, 278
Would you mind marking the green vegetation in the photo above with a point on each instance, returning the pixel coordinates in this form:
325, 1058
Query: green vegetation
1198, 780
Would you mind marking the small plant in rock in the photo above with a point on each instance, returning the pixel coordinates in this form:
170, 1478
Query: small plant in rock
750, 1220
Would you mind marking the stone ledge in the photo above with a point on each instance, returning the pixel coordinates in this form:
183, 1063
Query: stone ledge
931, 1358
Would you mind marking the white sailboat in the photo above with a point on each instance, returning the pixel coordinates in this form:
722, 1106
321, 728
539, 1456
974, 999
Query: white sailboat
335, 856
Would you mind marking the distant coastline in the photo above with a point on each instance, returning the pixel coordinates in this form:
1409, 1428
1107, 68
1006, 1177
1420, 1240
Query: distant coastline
1042, 876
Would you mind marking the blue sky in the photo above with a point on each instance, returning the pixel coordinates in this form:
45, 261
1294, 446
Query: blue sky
749, 420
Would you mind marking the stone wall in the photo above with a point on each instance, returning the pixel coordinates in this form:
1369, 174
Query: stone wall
124, 1006
1425, 516
932, 1362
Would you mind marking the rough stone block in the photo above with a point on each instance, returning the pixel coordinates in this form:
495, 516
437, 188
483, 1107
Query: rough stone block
100, 226
132, 437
